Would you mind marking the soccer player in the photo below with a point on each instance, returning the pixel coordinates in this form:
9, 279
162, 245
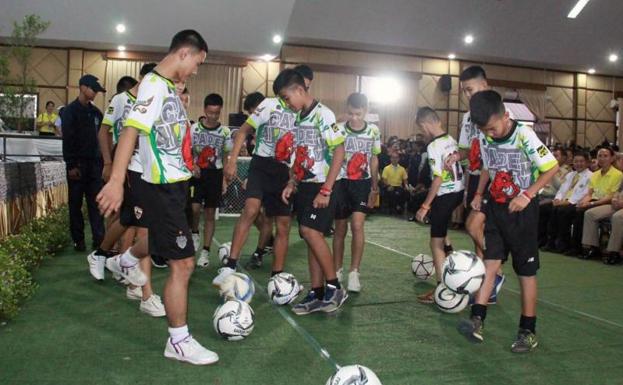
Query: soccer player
359, 185
211, 142
518, 165
446, 191
158, 119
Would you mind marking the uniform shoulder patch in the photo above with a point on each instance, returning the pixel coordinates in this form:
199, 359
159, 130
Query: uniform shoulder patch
542, 150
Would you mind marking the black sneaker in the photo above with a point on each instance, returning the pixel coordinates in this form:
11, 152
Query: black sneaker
448, 249
526, 342
256, 261
472, 328
592, 253
80, 246
159, 262
612, 258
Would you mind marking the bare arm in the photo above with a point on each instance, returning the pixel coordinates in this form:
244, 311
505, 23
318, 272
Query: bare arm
241, 136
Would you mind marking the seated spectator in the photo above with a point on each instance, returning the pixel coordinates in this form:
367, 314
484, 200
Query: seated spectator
394, 179
418, 192
590, 235
546, 196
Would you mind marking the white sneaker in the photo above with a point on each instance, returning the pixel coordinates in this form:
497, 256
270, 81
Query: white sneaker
196, 241
153, 306
97, 264
340, 274
135, 294
353, 281
120, 279
191, 351
133, 274
223, 273
204, 259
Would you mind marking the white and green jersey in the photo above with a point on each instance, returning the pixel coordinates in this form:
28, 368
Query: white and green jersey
116, 113
359, 146
317, 135
160, 117
210, 145
514, 162
274, 124
438, 150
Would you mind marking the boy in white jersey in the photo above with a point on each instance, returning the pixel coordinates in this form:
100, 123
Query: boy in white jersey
319, 153
446, 191
358, 183
160, 118
518, 165
211, 142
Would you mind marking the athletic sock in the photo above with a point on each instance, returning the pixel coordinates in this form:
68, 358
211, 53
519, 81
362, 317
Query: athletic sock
479, 310
259, 252
232, 263
127, 259
335, 283
103, 253
318, 292
275, 272
178, 334
528, 323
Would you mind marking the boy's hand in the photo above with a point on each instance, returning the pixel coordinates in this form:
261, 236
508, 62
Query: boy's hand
372, 198
106, 172
230, 170
287, 193
420, 216
321, 201
74, 173
518, 203
476, 203
110, 197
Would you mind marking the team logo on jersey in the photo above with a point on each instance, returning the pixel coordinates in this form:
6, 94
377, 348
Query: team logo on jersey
503, 187
303, 164
181, 240
283, 149
542, 151
110, 110
207, 157
141, 105
475, 160
335, 127
138, 212
357, 167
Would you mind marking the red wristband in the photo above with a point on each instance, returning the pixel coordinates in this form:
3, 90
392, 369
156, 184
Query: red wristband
325, 191
528, 195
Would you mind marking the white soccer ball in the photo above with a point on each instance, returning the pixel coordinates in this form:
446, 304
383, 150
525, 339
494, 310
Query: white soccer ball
463, 272
283, 288
423, 266
237, 286
354, 375
234, 320
223, 252
448, 301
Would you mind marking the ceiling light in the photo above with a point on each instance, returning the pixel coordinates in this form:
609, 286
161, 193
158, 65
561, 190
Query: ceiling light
121, 48
120, 28
469, 39
577, 8
591, 71
267, 57
277, 39
613, 57
452, 56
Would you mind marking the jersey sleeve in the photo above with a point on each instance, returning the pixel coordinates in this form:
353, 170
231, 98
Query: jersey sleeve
112, 112
333, 133
261, 115
147, 107
376, 137
435, 160
464, 143
538, 153
229, 144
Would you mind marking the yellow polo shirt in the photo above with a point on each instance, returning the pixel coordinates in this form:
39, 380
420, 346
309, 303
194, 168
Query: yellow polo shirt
47, 119
394, 175
606, 184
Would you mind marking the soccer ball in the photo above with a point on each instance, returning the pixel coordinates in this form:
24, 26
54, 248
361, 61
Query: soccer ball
423, 267
234, 320
448, 301
237, 286
463, 272
354, 375
283, 288
224, 251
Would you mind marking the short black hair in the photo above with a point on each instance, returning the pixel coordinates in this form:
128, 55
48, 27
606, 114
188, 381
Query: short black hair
485, 104
287, 78
125, 83
473, 72
357, 100
305, 71
610, 150
253, 100
426, 113
147, 68
583, 154
188, 38
48, 103
213, 100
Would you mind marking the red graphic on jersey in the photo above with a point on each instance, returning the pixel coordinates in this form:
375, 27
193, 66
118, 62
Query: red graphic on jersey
475, 160
302, 164
187, 151
503, 188
283, 149
207, 157
357, 167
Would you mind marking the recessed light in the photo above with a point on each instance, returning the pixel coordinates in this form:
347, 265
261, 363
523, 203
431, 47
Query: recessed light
577, 8
277, 39
613, 57
591, 71
452, 56
121, 48
469, 39
120, 28
267, 57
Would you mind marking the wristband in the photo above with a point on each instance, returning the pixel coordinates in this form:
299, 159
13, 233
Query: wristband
423, 206
527, 194
325, 191
477, 194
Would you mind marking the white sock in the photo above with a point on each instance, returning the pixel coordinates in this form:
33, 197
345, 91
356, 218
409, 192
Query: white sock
127, 259
178, 334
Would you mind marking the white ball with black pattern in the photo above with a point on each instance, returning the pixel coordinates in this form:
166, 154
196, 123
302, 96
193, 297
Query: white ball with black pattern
354, 375
448, 301
234, 320
237, 286
463, 272
223, 252
283, 288
423, 267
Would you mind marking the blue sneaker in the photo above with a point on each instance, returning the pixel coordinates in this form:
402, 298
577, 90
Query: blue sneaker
497, 286
309, 304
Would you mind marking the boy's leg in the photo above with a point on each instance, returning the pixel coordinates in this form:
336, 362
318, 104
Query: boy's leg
282, 237
475, 226
341, 228
357, 223
243, 225
265, 240
176, 291
196, 217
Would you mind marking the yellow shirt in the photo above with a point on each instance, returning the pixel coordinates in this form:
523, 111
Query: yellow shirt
604, 185
47, 119
394, 175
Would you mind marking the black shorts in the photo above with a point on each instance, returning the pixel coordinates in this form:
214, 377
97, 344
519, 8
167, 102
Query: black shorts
317, 219
517, 233
207, 190
470, 192
169, 233
133, 211
353, 196
441, 211
266, 181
